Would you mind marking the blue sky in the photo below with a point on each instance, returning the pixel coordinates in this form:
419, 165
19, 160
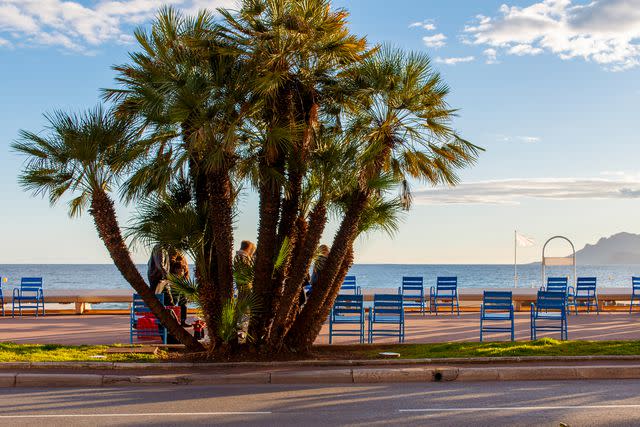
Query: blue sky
549, 88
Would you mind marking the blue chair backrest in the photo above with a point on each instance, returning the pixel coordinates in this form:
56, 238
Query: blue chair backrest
557, 284
349, 284
412, 284
388, 304
138, 305
31, 284
586, 285
446, 284
497, 300
635, 283
550, 300
348, 305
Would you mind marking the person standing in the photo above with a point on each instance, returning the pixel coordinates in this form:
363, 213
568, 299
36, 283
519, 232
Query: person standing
179, 267
158, 267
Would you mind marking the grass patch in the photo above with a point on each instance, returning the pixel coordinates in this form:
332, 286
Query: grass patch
11, 352
542, 347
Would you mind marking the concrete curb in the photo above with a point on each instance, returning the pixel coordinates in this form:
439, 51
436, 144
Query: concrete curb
335, 376
5, 366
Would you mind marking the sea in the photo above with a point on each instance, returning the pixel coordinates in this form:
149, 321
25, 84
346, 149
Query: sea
106, 276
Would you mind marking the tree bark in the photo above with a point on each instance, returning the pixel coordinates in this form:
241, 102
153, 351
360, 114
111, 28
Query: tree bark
299, 270
105, 219
266, 251
306, 327
221, 223
206, 266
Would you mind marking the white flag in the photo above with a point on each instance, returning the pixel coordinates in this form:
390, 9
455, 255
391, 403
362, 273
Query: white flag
524, 240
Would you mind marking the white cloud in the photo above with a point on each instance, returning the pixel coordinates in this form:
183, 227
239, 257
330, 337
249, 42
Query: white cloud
521, 138
524, 49
529, 138
512, 191
492, 56
73, 26
427, 24
603, 31
435, 41
454, 60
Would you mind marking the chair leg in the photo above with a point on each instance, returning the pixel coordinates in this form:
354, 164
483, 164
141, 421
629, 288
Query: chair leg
512, 331
330, 334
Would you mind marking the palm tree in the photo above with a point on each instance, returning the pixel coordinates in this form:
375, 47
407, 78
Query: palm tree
293, 49
184, 87
82, 155
399, 113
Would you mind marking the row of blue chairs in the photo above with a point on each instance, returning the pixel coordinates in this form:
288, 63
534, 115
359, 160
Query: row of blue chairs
443, 295
584, 294
386, 317
548, 313
30, 295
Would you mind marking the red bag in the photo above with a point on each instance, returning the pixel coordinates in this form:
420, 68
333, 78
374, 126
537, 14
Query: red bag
148, 327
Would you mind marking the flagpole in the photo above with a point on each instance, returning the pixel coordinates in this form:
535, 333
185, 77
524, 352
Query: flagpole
515, 258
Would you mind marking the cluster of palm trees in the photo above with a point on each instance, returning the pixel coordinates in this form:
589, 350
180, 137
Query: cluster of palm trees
280, 99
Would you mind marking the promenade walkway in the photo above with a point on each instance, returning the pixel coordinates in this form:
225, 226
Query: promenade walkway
112, 329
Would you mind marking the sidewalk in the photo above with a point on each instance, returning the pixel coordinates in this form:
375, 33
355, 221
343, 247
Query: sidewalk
65, 375
114, 329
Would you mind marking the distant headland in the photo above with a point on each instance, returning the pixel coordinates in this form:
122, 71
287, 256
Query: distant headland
620, 248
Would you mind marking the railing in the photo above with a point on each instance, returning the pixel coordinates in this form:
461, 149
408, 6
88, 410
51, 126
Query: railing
470, 298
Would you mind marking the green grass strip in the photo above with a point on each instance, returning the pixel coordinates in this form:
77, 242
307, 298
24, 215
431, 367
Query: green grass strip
11, 352
542, 347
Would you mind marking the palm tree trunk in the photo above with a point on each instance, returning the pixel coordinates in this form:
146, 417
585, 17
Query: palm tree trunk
105, 219
302, 262
269, 211
221, 222
307, 325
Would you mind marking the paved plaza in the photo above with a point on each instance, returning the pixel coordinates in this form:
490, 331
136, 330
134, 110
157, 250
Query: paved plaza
113, 329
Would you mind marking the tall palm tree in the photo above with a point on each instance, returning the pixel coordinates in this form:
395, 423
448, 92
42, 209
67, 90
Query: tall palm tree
184, 85
82, 154
294, 49
399, 114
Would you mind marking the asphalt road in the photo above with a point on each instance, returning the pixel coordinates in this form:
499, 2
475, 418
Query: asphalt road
574, 403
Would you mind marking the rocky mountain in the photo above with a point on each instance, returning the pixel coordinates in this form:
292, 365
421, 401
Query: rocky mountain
621, 248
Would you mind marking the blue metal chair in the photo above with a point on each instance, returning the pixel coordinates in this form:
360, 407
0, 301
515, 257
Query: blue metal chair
559, 284
635, 291
549, 306
444, 294
556, 284
350, 285
412, 291
387, 309
29, 295
139, 310
497, 306
585, 294
347, 310
1, 297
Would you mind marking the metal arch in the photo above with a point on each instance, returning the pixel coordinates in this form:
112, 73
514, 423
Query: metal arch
573, 248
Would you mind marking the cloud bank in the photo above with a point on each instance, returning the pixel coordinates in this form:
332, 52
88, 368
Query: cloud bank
79, 28
512, 191
606, 32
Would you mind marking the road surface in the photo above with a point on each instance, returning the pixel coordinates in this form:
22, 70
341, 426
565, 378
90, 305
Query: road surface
574, 403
